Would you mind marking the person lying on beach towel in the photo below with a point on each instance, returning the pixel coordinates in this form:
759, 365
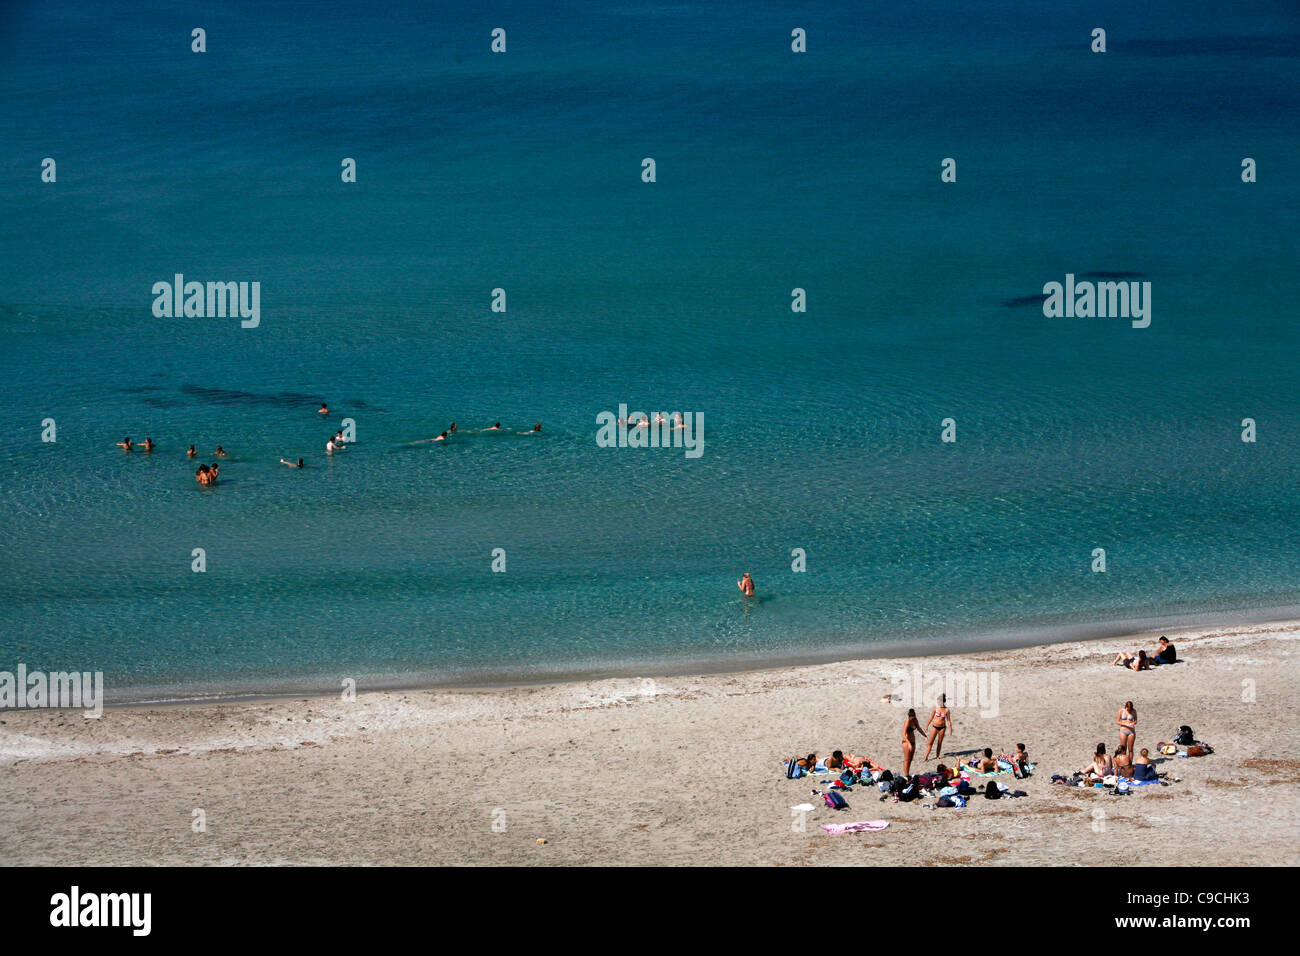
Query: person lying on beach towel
986, 764
801, 766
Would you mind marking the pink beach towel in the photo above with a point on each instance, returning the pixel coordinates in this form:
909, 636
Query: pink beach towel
866, 825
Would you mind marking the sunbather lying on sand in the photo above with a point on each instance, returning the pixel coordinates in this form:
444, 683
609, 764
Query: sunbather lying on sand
1133, 660
987, 763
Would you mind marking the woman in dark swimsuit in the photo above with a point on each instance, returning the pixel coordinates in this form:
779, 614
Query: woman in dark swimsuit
910, 726
939, 724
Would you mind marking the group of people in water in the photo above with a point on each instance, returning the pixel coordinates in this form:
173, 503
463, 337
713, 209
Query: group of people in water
208, 474
496, 427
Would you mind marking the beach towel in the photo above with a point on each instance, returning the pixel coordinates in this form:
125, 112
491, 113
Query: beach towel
1140, 783
866, 826
975, 773
803, 807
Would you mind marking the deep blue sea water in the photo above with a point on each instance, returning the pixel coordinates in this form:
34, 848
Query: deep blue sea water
522, 171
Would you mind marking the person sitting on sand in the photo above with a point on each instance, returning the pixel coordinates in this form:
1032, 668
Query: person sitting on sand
1122, 763
1100, 766
1019, 760
1134, 660
125, 444
1143, 768
323, 410
746, 585
192, 452
148, 444
1164, 654
291, 464
940, 723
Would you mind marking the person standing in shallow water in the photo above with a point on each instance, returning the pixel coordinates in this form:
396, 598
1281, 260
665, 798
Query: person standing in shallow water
746, 585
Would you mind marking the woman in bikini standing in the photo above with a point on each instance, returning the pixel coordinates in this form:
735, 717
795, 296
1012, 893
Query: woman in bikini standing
910, 726
1127, 720
941, 722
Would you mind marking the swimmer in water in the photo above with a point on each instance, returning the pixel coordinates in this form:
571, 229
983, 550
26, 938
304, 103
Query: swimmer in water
125, 444
338, 438
323, 410
746, 585
284, 461
192, 453
213, 471
148, 444
331, 448
537, 428
221, 452
495, 428
442, 437
453, 428
679, 423
204, 475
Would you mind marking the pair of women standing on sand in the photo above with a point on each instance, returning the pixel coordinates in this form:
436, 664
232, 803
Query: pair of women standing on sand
937, 726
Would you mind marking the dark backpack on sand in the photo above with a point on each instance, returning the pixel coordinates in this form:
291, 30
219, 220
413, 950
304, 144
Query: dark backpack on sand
835, 801
1185, 736
992, 791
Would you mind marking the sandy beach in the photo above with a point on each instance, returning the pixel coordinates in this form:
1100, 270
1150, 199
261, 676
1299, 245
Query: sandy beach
679, 770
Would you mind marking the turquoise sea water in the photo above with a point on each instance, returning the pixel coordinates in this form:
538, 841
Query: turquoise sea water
522, 171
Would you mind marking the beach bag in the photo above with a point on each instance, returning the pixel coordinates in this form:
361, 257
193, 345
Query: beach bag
835, 801
910, 791
945, 802
1199, 750
992, 792
848, 778
965, 788
1185, 736
792, 769
1169, 750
